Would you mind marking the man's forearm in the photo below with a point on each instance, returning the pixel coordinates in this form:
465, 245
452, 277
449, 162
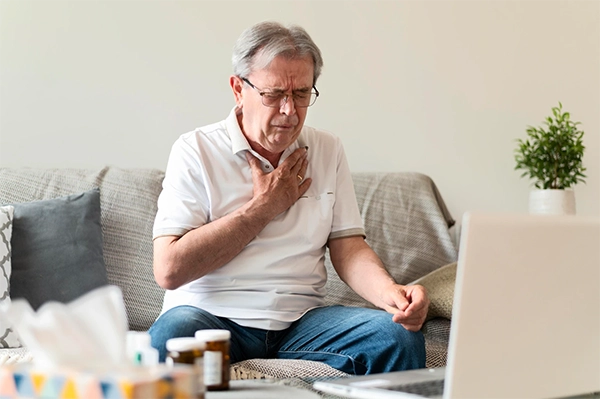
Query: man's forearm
370, 280
359, 267
179, 260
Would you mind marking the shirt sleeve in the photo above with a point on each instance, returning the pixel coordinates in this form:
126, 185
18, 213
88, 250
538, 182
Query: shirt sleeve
183, 202
347, 220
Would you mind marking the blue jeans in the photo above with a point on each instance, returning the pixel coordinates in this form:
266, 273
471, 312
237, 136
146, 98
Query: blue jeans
353, 340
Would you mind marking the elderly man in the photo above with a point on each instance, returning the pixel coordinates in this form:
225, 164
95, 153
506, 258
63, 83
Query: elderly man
248, 207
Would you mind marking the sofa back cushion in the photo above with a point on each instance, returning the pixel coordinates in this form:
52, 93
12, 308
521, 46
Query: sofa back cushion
407, 224
128, 206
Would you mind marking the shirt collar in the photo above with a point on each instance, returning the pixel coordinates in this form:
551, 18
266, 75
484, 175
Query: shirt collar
238, 140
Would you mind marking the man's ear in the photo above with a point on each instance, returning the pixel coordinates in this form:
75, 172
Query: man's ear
236, 86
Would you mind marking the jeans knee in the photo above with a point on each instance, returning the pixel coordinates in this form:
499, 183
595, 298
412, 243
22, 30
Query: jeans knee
181, 321
399, 349
411, 350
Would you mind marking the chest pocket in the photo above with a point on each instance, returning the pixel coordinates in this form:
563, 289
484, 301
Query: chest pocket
316, 216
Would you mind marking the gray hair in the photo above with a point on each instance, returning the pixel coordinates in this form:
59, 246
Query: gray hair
258, 45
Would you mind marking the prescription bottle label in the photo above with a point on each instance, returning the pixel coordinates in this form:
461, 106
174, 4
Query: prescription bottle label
213, 363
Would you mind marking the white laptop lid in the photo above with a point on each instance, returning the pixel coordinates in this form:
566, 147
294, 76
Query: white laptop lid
526, 321
526, 318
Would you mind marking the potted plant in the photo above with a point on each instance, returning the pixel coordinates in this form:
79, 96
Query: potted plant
553, 158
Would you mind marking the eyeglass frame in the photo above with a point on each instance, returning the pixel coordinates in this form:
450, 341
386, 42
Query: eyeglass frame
284, 97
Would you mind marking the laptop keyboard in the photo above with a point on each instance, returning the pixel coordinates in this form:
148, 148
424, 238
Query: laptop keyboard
425, 388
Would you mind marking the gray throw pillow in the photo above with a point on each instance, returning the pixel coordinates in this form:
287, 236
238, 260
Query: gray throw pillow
57, 249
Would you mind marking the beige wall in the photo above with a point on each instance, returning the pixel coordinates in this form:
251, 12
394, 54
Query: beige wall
444, 88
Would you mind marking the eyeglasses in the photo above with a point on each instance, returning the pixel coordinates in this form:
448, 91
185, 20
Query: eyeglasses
276, 99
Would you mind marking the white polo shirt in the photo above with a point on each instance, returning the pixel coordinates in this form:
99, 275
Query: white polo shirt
280, 274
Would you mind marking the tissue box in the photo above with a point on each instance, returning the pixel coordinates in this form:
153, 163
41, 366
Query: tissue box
159, 382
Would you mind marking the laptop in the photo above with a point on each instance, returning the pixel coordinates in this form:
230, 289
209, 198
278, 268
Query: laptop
526, 315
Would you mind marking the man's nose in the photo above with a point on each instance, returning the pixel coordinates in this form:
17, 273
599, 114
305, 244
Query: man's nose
287, 106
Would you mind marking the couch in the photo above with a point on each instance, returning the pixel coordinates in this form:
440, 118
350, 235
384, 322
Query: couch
406, 221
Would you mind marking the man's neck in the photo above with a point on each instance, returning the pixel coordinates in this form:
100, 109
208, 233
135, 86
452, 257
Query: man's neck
273, 158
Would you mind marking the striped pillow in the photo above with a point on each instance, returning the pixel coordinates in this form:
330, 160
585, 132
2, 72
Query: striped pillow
8, 338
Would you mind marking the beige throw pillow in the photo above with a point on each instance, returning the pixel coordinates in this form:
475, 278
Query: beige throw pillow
440, 288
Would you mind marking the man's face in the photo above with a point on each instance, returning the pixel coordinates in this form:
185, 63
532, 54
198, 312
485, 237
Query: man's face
271, 130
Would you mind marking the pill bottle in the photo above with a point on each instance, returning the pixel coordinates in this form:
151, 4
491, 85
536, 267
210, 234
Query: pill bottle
139, 350
216, 358
188, 350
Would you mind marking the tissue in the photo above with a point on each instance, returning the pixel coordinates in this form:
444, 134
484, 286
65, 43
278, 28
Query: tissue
88, 333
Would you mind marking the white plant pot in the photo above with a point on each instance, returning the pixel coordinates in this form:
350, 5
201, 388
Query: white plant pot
552, 202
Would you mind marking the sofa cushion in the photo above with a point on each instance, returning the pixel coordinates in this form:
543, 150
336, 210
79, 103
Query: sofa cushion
8, 338
57, 248
407, 224
437, 335
128, 207
282, 368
